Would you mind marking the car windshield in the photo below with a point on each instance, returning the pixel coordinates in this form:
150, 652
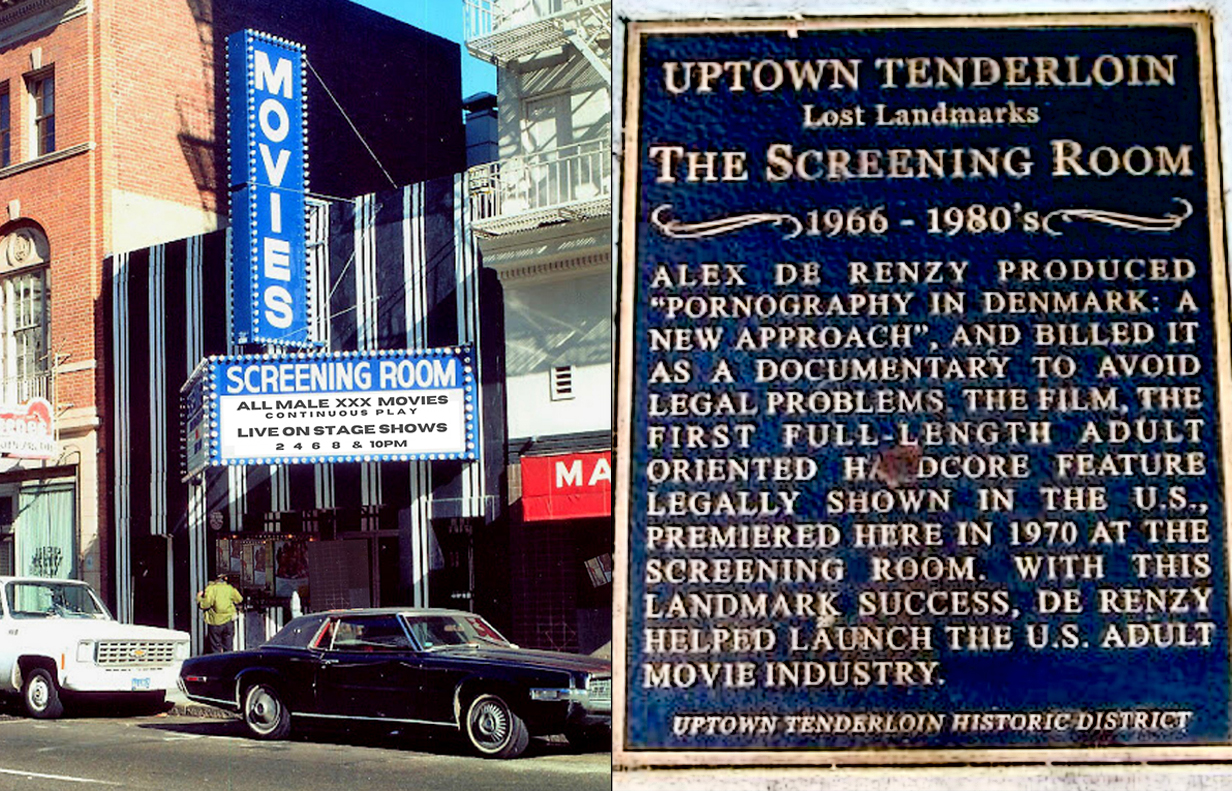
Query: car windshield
298, 633
441, 631
52, 599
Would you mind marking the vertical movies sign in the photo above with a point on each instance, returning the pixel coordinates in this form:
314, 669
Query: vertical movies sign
924, 378
269, 176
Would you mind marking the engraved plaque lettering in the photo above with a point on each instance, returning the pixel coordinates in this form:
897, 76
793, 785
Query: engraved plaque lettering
923, 371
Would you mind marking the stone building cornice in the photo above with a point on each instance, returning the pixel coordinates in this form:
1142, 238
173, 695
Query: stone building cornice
20, 19
553, 268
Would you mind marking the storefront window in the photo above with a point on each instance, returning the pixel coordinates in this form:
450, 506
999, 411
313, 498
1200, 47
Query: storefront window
46, 534
265, 568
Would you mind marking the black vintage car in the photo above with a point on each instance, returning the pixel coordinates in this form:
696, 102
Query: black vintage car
404, 666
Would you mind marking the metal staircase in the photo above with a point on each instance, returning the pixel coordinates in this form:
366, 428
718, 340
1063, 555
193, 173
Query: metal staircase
504, 32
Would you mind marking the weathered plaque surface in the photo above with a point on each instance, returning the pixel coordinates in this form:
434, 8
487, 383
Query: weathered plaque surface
923, 388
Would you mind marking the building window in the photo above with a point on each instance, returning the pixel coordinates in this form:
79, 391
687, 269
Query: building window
6, 138
25, 335
43, 94
25, 362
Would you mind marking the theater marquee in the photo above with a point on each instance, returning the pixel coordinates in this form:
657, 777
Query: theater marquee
390, 405
923, 393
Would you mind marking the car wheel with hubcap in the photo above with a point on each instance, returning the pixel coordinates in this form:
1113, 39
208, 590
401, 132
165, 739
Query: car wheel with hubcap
494, 730
265, 714
42, 696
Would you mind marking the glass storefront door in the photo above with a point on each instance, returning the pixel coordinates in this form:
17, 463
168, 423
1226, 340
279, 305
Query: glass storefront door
45, 530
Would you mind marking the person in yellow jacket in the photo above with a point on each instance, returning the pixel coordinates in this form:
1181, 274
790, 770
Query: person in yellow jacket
218, 600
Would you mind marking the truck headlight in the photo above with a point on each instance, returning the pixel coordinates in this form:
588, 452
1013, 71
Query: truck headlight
181, 650
85, 651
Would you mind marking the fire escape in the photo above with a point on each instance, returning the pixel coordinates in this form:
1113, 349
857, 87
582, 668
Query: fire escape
572, 182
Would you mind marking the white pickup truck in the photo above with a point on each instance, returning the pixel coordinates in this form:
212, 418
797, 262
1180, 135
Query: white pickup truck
57, 636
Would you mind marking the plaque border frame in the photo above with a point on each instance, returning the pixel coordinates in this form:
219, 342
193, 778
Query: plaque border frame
624, 757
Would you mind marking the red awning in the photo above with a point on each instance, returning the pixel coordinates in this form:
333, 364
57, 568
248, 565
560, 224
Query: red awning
571, 486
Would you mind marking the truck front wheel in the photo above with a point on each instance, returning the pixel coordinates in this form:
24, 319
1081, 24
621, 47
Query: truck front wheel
42, 696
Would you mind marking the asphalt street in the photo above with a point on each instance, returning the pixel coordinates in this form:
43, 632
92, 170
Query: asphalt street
170, 752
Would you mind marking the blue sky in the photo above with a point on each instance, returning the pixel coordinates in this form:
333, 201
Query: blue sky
444, 18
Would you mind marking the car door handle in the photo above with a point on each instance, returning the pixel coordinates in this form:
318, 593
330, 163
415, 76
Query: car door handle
328, 662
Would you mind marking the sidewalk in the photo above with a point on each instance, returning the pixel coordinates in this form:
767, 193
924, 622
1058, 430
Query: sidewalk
182, 706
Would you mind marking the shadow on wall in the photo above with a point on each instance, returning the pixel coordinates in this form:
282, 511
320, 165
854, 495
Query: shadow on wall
199, 154
565, 324
199, 151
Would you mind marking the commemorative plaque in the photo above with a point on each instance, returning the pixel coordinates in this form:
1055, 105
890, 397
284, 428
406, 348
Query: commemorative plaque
923, 379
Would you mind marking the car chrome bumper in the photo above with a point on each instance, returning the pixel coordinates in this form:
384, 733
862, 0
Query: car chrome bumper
578, 697
82, 678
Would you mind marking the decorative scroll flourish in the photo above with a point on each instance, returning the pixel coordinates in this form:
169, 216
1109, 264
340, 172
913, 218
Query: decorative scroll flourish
676, 229
1169, 222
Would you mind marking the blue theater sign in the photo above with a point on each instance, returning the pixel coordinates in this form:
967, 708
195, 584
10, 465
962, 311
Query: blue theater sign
269, 177
922, 393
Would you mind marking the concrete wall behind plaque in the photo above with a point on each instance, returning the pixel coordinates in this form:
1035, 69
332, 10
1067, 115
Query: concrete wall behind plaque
1029, 778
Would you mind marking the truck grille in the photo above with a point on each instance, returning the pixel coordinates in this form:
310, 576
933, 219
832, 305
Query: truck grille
600, 690
130, 653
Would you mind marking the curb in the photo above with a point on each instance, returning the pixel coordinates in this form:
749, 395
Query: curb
200, 710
